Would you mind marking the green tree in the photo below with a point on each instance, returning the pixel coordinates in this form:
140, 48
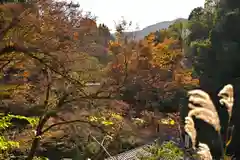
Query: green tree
214, 41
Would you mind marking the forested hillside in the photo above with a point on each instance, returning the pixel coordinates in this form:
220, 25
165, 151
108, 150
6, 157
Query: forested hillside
69, 90
140, 34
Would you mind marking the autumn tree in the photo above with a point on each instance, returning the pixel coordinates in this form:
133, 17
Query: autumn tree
50, 43
150, 67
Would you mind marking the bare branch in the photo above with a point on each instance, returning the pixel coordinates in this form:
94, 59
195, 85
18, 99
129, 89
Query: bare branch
102, 147
72, 121
5, 64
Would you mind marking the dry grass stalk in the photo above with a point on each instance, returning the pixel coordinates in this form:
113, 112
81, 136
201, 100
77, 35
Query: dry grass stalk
190, 129
203, 108
204, 152
227, 99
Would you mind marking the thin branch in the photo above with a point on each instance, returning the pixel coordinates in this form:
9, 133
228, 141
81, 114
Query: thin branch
28, 51
48, 88
69, 122
54, 70
90, 97
4, 30
5, 64
102, 147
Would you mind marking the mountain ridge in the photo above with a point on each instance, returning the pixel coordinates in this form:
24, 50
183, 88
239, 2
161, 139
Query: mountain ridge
140, 34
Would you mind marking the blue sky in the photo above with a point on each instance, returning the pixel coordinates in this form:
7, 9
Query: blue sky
141, 12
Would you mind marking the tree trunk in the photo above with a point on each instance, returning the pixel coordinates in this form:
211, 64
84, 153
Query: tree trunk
36, 140
34, 147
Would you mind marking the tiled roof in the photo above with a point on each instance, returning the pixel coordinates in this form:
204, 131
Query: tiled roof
131, 154
139, 151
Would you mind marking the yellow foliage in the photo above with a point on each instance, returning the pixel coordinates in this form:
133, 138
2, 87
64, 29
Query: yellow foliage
185, 78
110, 119
107, 123
114, 44
116, 116
167, 121
93, 119
166, 54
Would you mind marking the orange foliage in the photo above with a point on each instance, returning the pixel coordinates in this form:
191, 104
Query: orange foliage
151, 66
25, 74
88, 22
114, 47
167, 43
167, 54
19, 65
150, 38
75, 35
